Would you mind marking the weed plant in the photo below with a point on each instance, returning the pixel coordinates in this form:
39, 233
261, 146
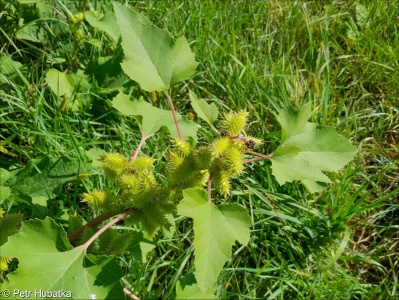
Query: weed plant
342, 56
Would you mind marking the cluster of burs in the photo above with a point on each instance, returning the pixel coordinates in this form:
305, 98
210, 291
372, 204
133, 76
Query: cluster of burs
187, 167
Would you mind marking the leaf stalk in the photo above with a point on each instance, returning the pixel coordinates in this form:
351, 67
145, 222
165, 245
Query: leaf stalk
172, 107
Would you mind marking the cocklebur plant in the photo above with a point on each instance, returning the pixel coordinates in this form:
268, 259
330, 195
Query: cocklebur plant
196, 176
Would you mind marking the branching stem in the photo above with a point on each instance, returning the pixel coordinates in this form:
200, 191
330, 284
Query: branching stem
108, 225
259, 156
73, 237
267, 156
136, 152
130, 294
172, 107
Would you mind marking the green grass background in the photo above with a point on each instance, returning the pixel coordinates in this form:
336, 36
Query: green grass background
343, 56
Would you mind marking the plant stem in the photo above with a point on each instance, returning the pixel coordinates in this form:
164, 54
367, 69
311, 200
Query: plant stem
214, 129
260, 154
84, 7
258, 157
113, 222
93, 223
172, 107
136, 152
209, 189
130, 294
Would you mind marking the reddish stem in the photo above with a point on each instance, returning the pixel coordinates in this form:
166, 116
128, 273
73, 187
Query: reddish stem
174, 115
209, 189
108, 225
136, 152
267, 156
93, 223
130, 294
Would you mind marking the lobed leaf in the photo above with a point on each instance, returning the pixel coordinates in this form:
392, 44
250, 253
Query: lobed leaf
207, 112
295, 122
105, 22
216, 229
8, 226
140, 246
189, 289
153, 118
307, 150
48, 262
151, 57
40, 179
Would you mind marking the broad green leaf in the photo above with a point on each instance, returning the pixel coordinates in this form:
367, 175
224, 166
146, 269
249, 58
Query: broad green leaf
216, 228
41, 179
295, 122
96, 155
151, 57
169, 229
207, 112
105, 22
307, 150
5, 192
140, 246
107, 71
4, 175
288, 166
32, 31
8, 226
8, 66
48, 262
60, 83
323, 148
153, 118
189, 289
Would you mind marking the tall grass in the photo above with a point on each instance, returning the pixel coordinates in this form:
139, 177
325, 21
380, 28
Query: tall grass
260, 55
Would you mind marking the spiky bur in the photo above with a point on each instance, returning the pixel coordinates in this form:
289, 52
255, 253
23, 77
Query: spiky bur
4, 261
234, 159
234, 122
220, 146
152, 216
182, 147
187, 167
142, 163
252, 142
114, 165
99, 199
223, 160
